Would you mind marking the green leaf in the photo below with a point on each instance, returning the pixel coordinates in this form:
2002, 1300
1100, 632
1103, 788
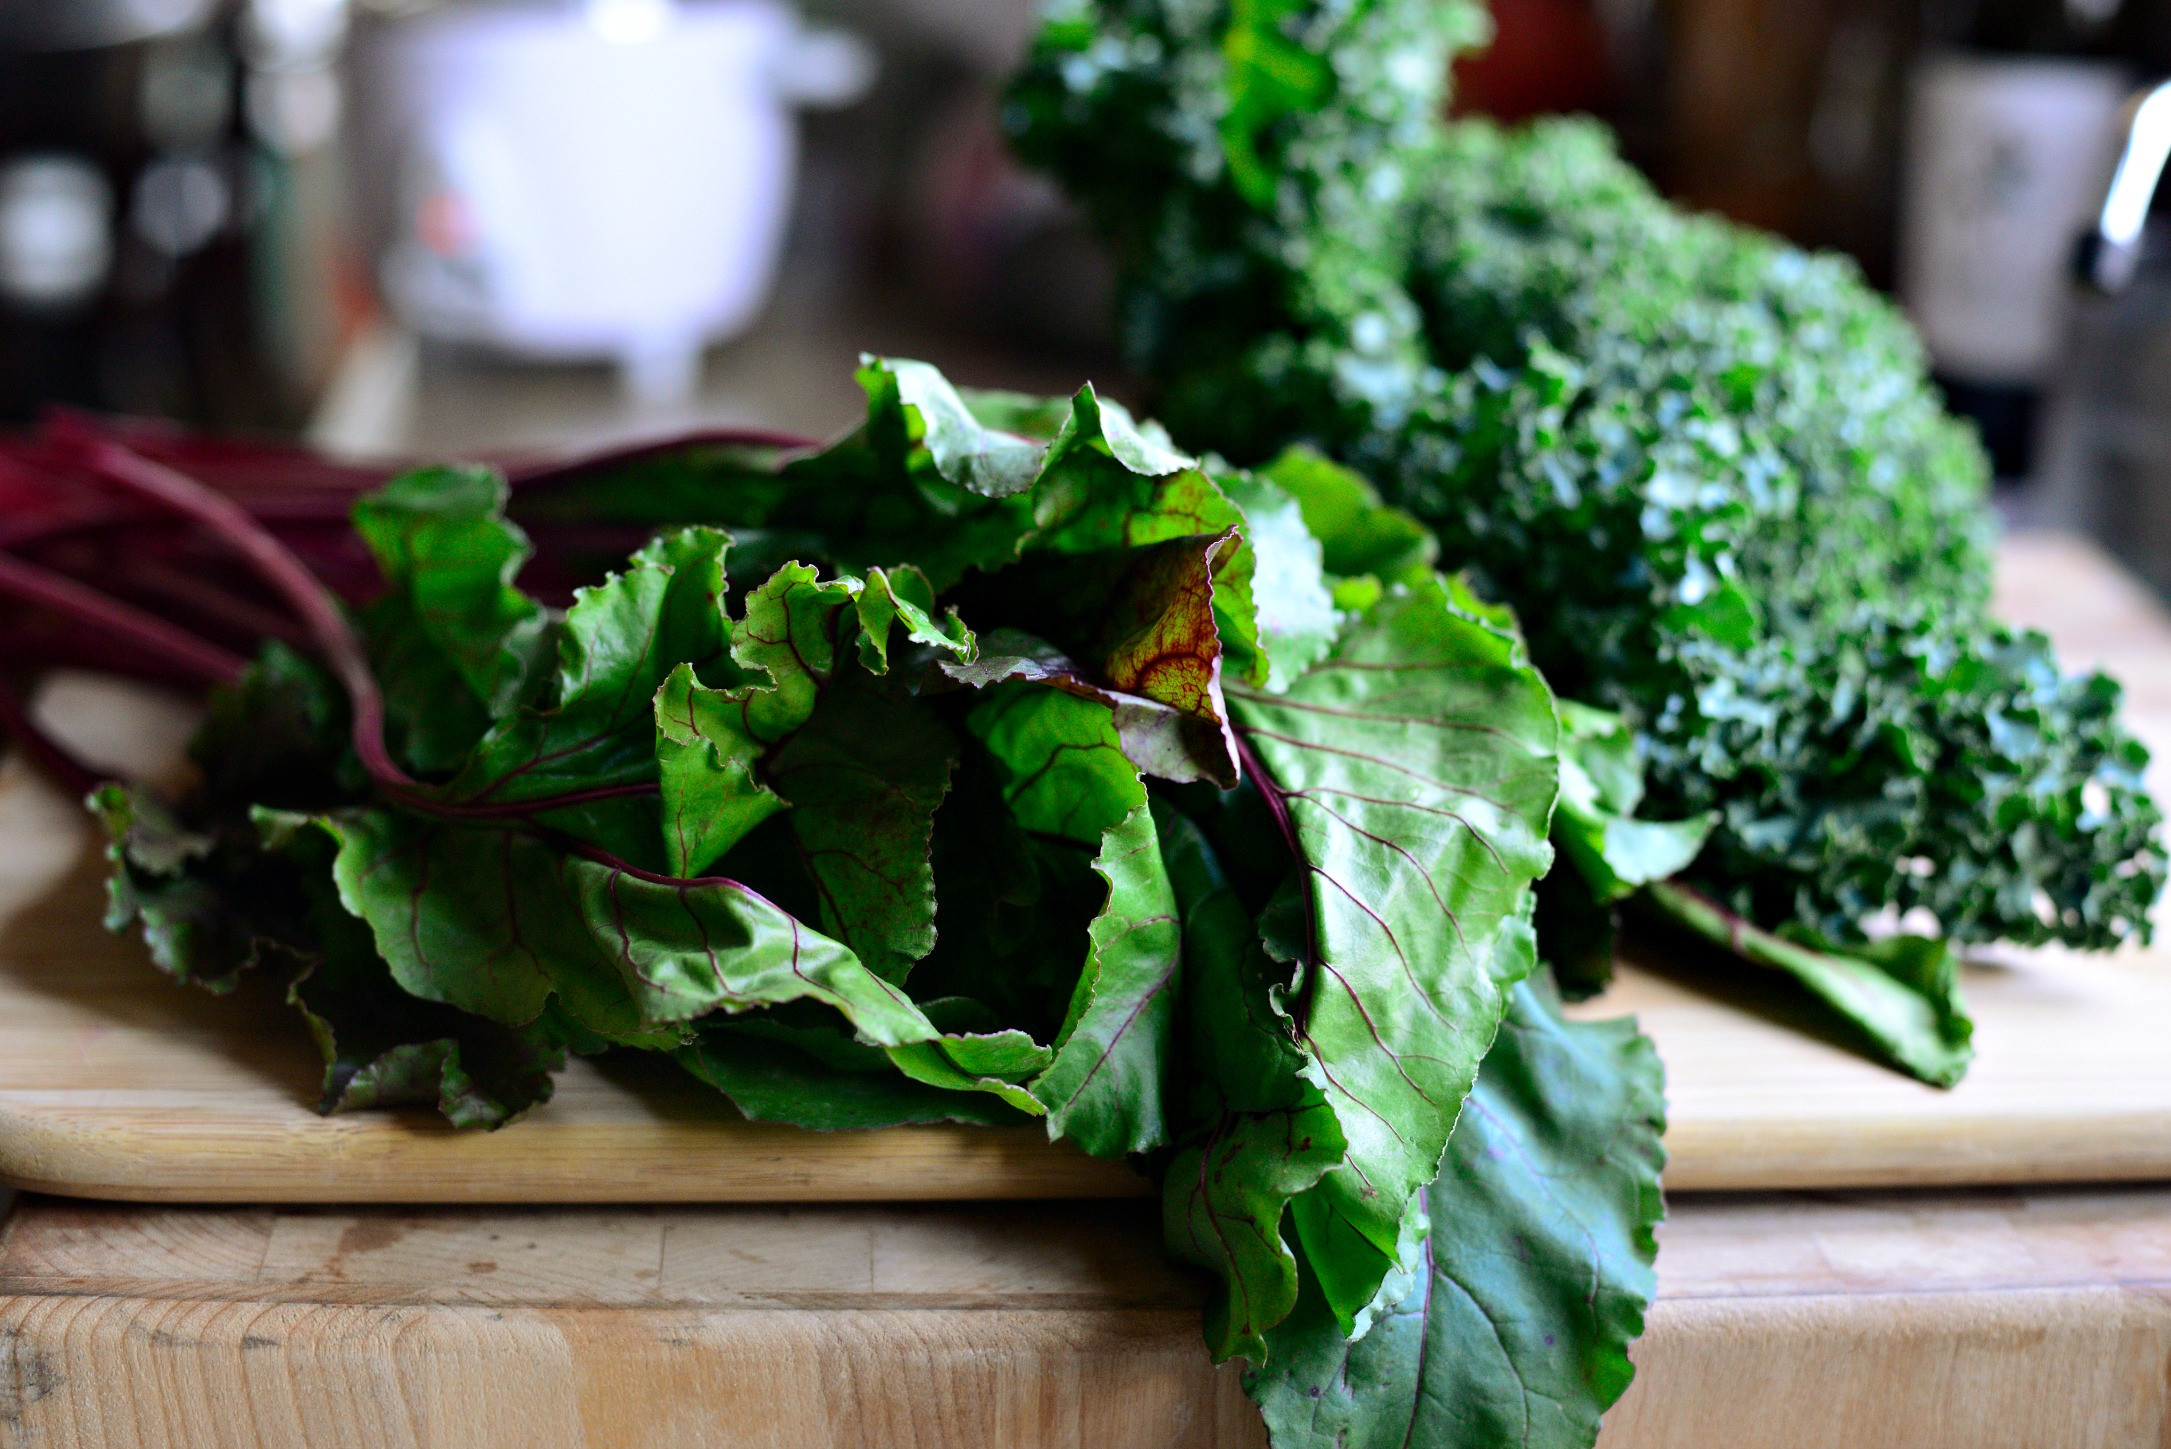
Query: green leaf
996, 1063
1255, 1132
1902, 993
1109, 1086
690, 949
1728, 615
1130, 623
711, 793
1112, 483
1065, 774
1616, 855
902, 595
278, 736
1155, 635
1599, 767
816, 1078
1015, 908
1294, 610
1608, 853
1537, 1273
864, 776
1266, 76
1157, 738
453, 641
484, 920
620, 641
790, 635
861, 767
918, 482
383, 1048
209, 908
786, 650
929, 416
1108, 478
442, 541
1357, 533
1024, 415
1416, 768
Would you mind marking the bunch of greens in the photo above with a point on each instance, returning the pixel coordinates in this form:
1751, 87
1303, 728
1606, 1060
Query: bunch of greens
997, 762
1706, 469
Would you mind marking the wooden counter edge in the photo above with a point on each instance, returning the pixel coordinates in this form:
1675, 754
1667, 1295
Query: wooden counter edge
382, 1158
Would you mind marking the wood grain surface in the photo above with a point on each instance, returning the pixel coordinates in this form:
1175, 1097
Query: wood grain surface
1987, 1320
114, 1084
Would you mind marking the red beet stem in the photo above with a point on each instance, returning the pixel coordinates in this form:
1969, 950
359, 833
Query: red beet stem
168, 642
324, 621
319, 611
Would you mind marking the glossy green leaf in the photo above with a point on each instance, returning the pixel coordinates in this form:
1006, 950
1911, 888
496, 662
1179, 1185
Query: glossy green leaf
818, 1079
619, 642
706, 765
863, 777
902, 596
452, 632
1415, 767
482, 919
1294, 614
1108, 1088
1255, 1132
1535, 1278
383, 1048
1357, 532
1901, 994
980, 459
445, 548
1065, 774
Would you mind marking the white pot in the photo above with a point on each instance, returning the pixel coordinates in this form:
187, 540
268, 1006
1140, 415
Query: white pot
609, 180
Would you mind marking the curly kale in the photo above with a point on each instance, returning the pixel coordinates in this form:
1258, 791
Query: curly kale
1707, 469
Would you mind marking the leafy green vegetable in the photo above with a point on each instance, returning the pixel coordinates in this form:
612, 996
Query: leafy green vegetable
1601, 785
1001, 774
1415, 769
1535, 1276
450, 620
1707, 470
1901, 993
1257, 1132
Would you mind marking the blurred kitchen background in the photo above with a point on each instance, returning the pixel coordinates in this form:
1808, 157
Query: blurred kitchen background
430, 227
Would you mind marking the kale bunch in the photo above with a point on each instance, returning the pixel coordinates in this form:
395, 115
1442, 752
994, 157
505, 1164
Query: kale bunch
1707, 469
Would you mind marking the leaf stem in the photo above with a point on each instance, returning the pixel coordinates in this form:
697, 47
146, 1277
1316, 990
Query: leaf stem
213, 603
1698, 914
573, 844
168, 642
321, 615
326, 624
1277, 805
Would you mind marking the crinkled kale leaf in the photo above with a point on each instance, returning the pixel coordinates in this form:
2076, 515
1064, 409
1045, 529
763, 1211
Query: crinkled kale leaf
1708, 470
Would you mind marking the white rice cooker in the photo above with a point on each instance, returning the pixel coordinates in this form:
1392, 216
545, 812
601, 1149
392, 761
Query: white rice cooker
600, 180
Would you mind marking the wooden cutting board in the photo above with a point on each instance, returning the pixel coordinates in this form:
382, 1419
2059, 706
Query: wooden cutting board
115, 1084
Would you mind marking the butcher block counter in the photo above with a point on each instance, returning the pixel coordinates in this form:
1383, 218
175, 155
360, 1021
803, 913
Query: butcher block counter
1851, 1259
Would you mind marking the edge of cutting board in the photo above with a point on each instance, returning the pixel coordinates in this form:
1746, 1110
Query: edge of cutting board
271, 1151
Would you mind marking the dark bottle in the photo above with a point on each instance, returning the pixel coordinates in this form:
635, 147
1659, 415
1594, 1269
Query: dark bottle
2012, 129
